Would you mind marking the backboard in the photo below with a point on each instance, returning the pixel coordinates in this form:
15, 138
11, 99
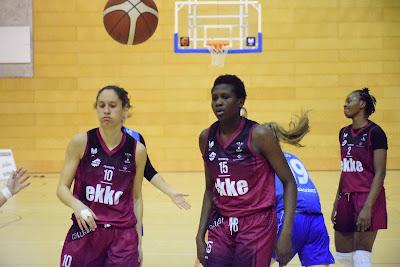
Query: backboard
199, 22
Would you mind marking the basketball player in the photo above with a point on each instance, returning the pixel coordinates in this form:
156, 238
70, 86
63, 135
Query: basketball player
359, 210
16, 182
240, 158
107, 167
156, 179
310, 239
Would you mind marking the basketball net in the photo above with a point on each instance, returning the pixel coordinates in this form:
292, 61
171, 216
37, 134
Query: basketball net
218, 51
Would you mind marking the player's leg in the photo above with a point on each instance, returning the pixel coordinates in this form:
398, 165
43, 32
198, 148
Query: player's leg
345, 228
255, 240
220, 244
364, 241
344, 243
315, 251
123, 250
78, 249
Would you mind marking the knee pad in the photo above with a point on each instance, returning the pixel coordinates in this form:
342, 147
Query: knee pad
362, 258
345, 258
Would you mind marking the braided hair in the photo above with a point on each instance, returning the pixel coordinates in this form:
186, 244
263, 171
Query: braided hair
370, 101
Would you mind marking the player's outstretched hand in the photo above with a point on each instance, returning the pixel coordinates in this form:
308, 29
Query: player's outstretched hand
18, 181
179, 200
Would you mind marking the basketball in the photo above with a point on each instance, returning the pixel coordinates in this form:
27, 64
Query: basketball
130, 22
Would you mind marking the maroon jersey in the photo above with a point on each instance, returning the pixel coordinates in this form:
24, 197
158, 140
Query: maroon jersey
244, 180
357, 156
104, 180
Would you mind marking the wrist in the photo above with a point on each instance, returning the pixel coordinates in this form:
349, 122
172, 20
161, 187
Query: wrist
6, 193
286, 232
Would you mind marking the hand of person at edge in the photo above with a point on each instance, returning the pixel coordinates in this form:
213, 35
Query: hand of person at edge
17, 181
179, 200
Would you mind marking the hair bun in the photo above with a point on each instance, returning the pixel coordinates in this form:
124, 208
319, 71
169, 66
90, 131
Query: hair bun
365, 90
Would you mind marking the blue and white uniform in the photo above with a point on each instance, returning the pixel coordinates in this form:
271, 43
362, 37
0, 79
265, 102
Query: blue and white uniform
149, 170
310, 239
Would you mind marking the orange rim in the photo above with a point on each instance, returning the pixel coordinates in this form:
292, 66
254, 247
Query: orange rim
217, 45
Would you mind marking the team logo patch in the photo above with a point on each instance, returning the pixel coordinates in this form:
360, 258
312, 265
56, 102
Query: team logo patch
128, 155
96, 162
344, 140
363, 138
239, 147
210, 144
80, 234
212, 156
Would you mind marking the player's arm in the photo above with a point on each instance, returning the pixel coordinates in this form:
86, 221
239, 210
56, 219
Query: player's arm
364, 218
141, 156
150, 173
206, 207
265, 143
178, 198
334, 208
16, 182
333, 214
75, 150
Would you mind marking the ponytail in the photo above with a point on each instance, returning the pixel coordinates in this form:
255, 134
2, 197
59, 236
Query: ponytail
297, 130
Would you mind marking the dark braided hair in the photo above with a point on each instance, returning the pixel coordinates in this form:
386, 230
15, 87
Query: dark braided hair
370, 101
235, 82
121, 93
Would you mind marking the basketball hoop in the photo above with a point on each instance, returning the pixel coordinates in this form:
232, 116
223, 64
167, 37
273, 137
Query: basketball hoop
218, 51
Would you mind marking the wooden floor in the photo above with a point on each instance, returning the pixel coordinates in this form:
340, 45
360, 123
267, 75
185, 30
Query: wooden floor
34, 223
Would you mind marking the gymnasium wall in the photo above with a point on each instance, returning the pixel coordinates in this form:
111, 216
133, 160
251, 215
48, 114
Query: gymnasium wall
315, 53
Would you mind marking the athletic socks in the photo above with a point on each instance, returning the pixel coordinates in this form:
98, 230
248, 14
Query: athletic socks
345, 258
362, 258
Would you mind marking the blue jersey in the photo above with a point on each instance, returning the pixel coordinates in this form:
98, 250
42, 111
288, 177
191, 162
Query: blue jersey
307, 194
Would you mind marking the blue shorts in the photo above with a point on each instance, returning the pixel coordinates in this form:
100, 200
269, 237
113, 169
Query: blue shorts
310, 239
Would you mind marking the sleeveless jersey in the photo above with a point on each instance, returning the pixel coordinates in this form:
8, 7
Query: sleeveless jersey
244, 179
357, 157
104, 180
307, 194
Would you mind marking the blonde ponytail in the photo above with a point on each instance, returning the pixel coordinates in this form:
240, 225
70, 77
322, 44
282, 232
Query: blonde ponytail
297, 130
